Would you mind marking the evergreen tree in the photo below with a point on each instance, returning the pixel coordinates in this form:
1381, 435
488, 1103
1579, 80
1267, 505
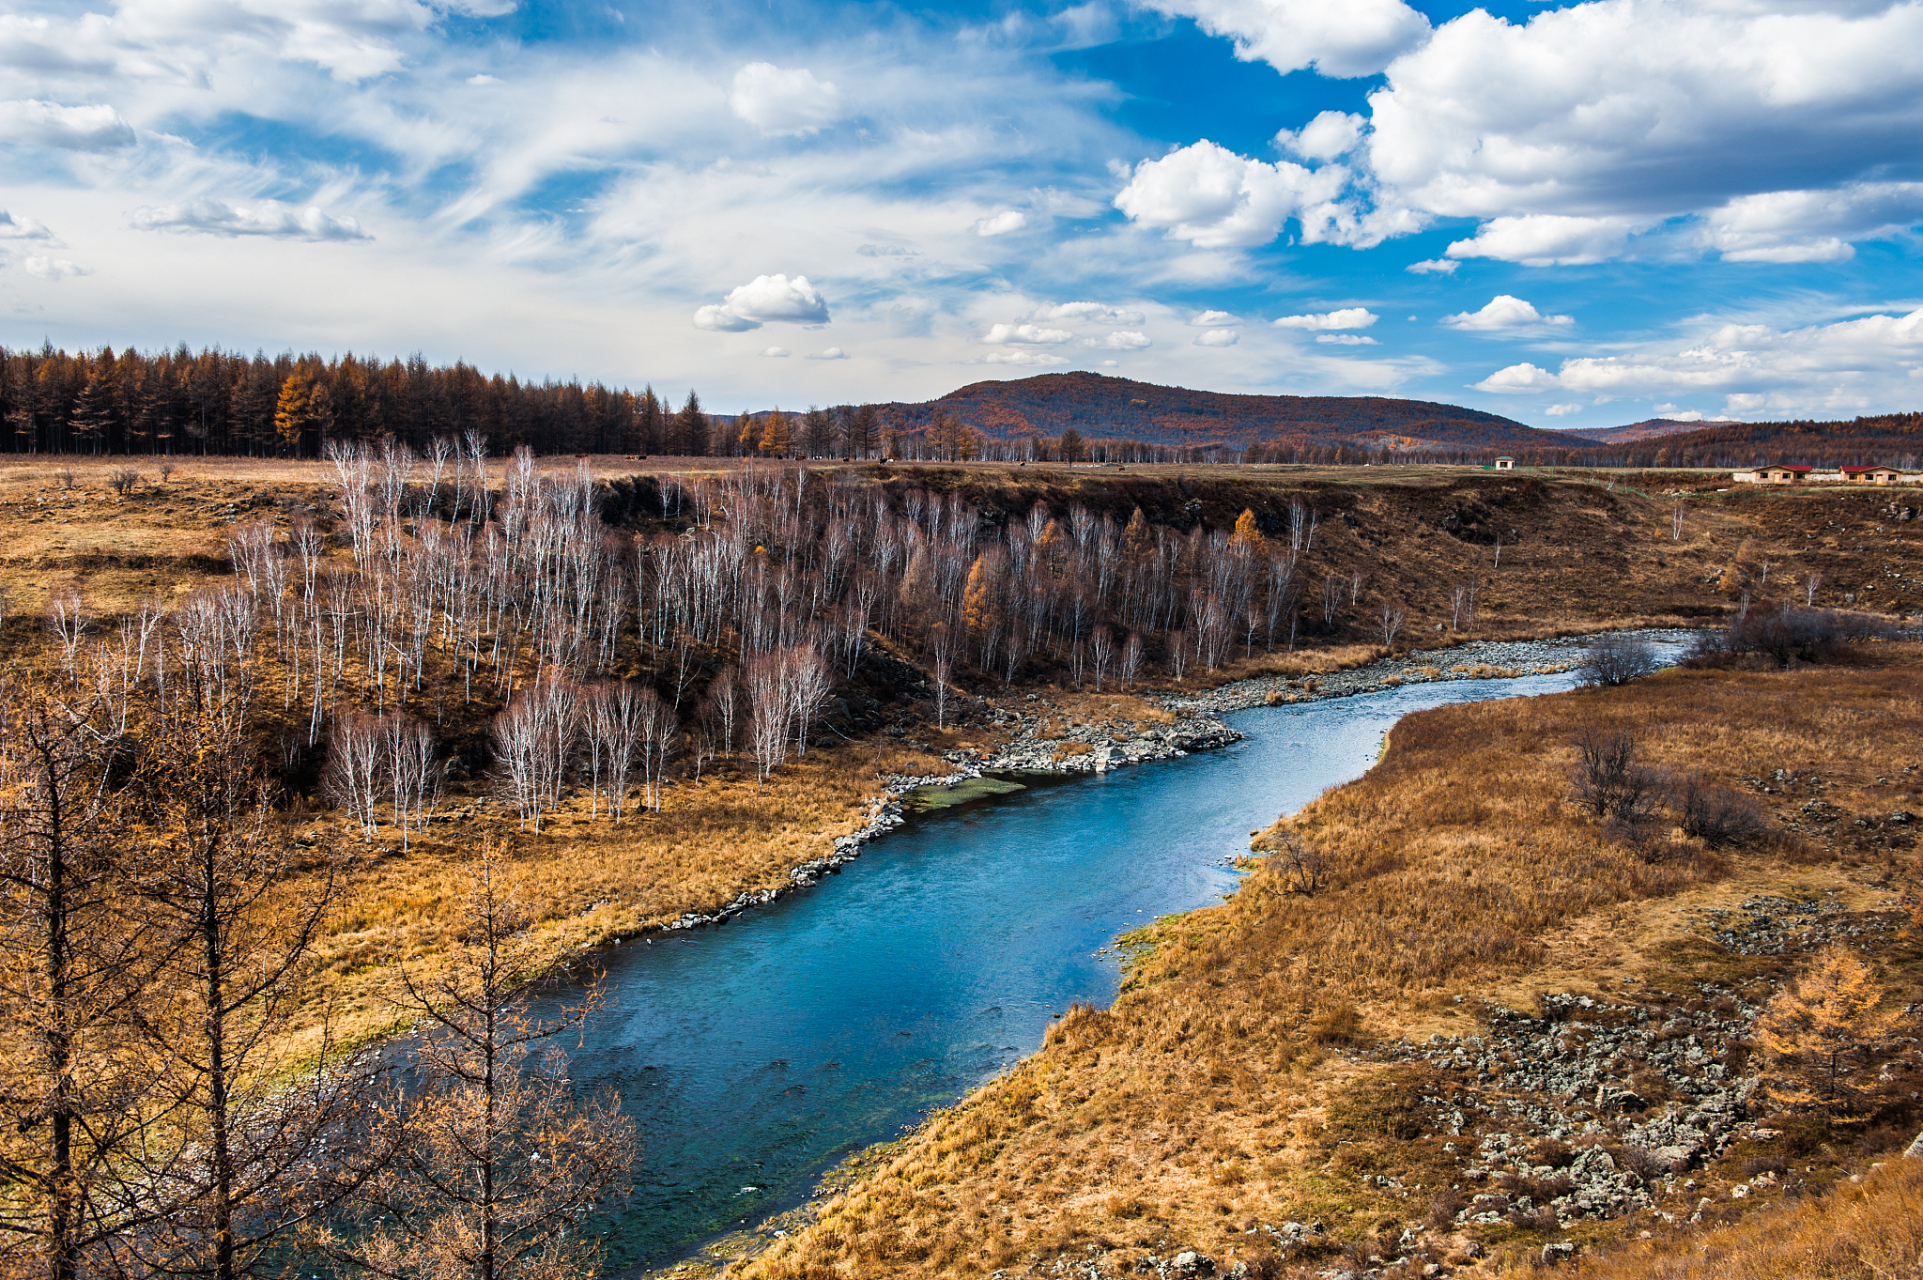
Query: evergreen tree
689, 438
750, 437
648, 424
1811, 1030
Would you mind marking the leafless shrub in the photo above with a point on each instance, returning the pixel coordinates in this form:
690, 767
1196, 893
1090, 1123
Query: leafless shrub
1613, 660
503, 1158
1302, 866
1609, 783
122, 480
1443, 1210
65, 477
1552, 1152
1787, 634
1644, 1163
166, 470
1717, 816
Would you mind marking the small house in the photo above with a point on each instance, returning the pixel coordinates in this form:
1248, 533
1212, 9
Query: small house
1783, 473
1505, 464
1872, 475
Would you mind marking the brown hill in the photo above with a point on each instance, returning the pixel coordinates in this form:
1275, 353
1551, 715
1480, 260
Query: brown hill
1647, 429
1099, 407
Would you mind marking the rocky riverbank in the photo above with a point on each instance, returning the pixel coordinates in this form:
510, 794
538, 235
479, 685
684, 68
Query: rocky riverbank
1475, 660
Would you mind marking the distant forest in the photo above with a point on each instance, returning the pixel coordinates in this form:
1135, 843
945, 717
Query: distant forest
224, 402
219, 402
1890, 439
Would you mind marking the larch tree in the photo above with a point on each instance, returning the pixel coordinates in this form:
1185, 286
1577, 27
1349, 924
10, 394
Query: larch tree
817, 433
1811, 1030
776, 439
76, 956
299, 411
243, 1159
503, 1157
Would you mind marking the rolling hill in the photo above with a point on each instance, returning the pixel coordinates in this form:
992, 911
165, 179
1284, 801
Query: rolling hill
1101, 407
1647, 429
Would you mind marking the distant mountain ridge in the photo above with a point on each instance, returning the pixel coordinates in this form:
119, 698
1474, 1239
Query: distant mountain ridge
1100, 407
1648, 429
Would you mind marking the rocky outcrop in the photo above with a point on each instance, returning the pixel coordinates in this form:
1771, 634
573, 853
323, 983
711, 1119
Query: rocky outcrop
1093, 748
1476, 660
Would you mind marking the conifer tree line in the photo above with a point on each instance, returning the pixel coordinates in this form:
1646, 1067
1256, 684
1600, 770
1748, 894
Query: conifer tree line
217, 402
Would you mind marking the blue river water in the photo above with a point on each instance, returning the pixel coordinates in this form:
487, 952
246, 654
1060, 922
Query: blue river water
756, 1054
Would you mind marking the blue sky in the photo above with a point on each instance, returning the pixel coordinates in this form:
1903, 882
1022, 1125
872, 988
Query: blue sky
1576, 215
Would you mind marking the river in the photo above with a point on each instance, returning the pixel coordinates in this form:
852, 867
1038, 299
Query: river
756, 1054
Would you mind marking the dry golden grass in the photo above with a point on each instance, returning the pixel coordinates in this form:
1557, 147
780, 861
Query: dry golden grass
588, 880
1201, 1102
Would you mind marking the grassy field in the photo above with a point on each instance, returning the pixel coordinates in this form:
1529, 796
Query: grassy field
1219, 1092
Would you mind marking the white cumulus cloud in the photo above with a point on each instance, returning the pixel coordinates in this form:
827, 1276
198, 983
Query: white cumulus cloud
1546, 240
1504, 312
999, 224
1087, 313
1347, 339
1216, 199
1025, 335
1562, 410
830, 353
1576, 135
1343, 318
1121, 340
1352, 38
1828, 370
264, 218
1211, 319
1812, 226
1433, 267
784, 103
1329, 136
1570, 132
52, 268
1027, 359
775, 352
15, 227
765, 299
1218, 338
